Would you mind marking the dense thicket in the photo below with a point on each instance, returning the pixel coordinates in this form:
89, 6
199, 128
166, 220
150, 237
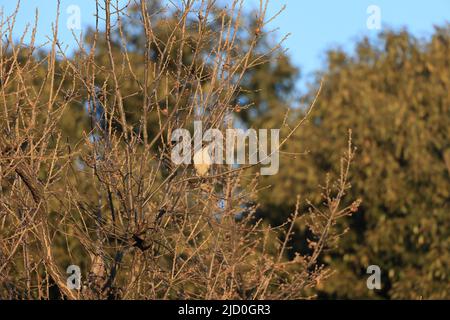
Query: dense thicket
86, 176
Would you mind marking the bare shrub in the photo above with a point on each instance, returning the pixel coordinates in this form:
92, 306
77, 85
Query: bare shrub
107, 197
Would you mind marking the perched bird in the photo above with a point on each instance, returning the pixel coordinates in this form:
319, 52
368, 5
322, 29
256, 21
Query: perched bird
202, 160
140, 243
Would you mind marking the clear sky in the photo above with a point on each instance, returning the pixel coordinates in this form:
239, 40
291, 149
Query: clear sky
314, 25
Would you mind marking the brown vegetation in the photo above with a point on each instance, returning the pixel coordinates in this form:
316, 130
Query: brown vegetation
86, 177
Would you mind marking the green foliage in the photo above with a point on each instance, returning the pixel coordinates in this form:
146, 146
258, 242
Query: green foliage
394, 95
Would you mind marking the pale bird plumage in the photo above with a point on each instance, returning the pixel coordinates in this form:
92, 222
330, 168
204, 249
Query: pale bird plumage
202, 161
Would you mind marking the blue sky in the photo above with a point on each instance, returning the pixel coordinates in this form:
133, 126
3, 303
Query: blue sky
314, 25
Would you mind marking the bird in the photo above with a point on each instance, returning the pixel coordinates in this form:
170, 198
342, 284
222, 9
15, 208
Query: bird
140, 243
203, 161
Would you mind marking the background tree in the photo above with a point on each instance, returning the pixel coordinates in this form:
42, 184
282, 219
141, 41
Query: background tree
394, 94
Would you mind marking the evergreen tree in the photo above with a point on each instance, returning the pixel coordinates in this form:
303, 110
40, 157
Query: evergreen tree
394, 94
